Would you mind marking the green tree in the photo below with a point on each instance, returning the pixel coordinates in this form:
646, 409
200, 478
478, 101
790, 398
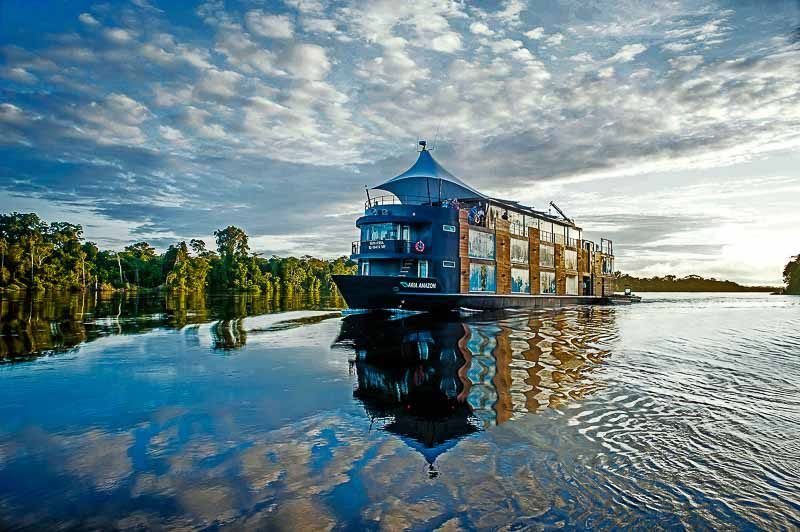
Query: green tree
791, 275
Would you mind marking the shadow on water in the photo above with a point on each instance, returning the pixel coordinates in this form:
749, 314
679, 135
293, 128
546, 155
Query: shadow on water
433, 381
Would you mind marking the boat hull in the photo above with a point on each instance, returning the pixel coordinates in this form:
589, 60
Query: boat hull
408, 293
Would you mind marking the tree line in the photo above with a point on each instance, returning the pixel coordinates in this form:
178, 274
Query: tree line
690, 283
35, 255
791, 276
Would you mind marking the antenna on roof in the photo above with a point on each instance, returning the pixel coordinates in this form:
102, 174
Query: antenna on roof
552, 204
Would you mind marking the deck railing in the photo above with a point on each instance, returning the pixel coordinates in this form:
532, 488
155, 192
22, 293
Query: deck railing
379, 201
367, 247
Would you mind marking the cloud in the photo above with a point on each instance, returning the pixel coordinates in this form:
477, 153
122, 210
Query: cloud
479, 28
307, 61
222, 83
686, 63
19, 75
119, 35
627, 53
446, 43
88, 19
535, 33
272, 26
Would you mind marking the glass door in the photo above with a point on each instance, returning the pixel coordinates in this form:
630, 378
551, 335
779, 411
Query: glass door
422, 268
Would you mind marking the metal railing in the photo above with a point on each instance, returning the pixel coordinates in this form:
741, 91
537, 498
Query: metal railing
409, 200
366, 247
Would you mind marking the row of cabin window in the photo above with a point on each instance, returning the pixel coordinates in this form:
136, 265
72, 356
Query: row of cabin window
483, 278
482, 246
560, 232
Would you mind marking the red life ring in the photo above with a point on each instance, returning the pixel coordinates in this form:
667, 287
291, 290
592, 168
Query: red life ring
419, 246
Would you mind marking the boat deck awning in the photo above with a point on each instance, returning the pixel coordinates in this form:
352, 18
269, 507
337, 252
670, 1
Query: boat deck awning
428, 179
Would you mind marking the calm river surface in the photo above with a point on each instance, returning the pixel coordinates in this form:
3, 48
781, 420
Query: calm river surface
241, 413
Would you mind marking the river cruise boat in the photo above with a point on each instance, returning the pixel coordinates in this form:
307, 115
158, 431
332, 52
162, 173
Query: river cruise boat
435, 243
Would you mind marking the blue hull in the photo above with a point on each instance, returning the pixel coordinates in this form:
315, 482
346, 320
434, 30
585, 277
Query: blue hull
412, 293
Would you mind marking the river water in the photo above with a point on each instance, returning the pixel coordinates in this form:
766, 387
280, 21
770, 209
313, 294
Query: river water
241, 412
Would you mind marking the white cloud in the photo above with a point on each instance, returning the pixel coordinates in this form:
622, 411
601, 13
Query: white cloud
479, 28
222, 83
446, 43
119, 35
319, 25
272, 26
307, 61
686, 63
606, 72
504, 45
88, 19
627, 53
18, 74
11, 114
535, 33
554, 39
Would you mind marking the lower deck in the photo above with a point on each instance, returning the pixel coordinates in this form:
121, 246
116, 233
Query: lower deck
425, 294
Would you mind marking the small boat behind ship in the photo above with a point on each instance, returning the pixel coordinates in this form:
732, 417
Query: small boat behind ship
435, 243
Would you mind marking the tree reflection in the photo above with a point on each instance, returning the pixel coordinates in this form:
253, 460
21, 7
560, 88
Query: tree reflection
59, 322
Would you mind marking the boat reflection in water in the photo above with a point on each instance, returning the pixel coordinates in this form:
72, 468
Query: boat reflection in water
434, 381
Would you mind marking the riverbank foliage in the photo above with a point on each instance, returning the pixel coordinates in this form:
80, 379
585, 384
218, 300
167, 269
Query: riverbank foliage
55, 256
791, 276
690, 283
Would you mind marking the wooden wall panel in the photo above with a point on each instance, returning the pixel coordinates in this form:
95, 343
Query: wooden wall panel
463, 250
503, 256
533, 258
561, 275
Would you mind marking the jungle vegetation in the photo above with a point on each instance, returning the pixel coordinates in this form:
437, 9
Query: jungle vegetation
35, 255
690, 283
791, 276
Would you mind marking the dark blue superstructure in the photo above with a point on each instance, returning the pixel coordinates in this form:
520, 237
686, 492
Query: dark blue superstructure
417, 241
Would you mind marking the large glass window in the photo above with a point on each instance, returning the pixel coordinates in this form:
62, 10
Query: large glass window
547, 282
519, 251
558, 233
520, 281
481, 277
385, 231
481, 245
547, 256
572, 285
570, 259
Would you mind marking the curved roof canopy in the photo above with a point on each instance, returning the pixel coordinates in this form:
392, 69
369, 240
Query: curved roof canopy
428, 179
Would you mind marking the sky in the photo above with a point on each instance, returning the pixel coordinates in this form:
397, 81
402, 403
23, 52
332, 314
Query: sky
670, 127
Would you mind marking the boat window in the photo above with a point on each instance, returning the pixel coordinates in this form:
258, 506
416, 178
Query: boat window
570, 259
547, 256
365, 267
520, 281
422, 268
519, 251
547, 282
384, 231
572, 285
481, 245
481, 277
